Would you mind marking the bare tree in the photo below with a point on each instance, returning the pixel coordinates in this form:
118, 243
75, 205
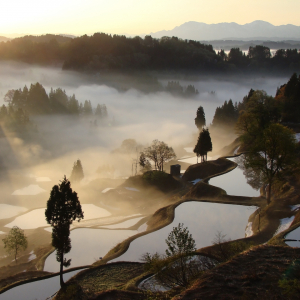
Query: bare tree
159, 153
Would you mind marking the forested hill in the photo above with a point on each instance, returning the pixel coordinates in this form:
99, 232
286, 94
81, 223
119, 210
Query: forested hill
113, 52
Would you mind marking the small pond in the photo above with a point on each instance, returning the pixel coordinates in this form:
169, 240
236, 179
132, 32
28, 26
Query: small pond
38, 290
36, 217
235, 183
203, 220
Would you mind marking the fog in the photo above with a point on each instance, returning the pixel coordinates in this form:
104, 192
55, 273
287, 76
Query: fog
132, 114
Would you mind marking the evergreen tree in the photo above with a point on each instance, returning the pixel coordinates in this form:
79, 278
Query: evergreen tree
37, 100
87, 108
200, 118
63, 207
73, 105
59, 101
77, 172
203, 145
191, 91
226, 115
104, 111
98, 111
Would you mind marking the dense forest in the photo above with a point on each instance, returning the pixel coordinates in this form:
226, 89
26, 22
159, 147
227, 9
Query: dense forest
114, 52
283, 108
23, 103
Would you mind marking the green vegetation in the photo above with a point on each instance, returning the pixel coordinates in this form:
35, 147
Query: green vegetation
179, 266
15, 241
290, 282
63, 207
271, 147
226, 249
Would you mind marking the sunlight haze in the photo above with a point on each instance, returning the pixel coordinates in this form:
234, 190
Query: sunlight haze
135, 16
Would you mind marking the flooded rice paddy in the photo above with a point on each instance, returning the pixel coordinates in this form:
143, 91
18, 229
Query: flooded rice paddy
203, 220
235, 183
36, 217
88, 245
37, 290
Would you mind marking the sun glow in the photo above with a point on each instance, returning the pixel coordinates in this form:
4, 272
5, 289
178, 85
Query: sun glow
135, 16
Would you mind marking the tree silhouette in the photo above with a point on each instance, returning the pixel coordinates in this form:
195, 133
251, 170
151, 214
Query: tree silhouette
63, 207
77, 172
159, 153
203, 145
271, 152
200, 118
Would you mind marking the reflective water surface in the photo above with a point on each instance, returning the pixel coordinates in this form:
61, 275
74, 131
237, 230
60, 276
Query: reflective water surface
88, 245
36, 217
234, 183
38, 290
203, 220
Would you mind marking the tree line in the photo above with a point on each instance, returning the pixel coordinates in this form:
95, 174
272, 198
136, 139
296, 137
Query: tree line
35, 100
264, 125
22, 103
284, 107
117, 52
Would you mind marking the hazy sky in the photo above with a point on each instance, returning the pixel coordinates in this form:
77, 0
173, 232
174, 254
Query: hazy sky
136, 16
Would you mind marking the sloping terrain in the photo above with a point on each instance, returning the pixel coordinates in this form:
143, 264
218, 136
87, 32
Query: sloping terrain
251, 275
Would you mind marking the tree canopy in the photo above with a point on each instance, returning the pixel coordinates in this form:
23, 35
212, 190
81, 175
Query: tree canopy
203, 145
271, 147
63, 207
180, 241
103, 51
272, 151
35, 101
15, 241
225, 115
158, 152
200, 118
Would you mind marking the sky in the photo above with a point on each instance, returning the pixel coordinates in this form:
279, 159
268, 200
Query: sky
136, 17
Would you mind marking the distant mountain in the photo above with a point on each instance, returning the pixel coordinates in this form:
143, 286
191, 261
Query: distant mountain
257, 30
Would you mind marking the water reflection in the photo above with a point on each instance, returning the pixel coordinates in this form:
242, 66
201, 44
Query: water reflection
235, 183
38, 290
88, 245
203, 221
36, 217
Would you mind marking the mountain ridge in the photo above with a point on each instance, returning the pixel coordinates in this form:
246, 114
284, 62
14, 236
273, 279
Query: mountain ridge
255, 30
